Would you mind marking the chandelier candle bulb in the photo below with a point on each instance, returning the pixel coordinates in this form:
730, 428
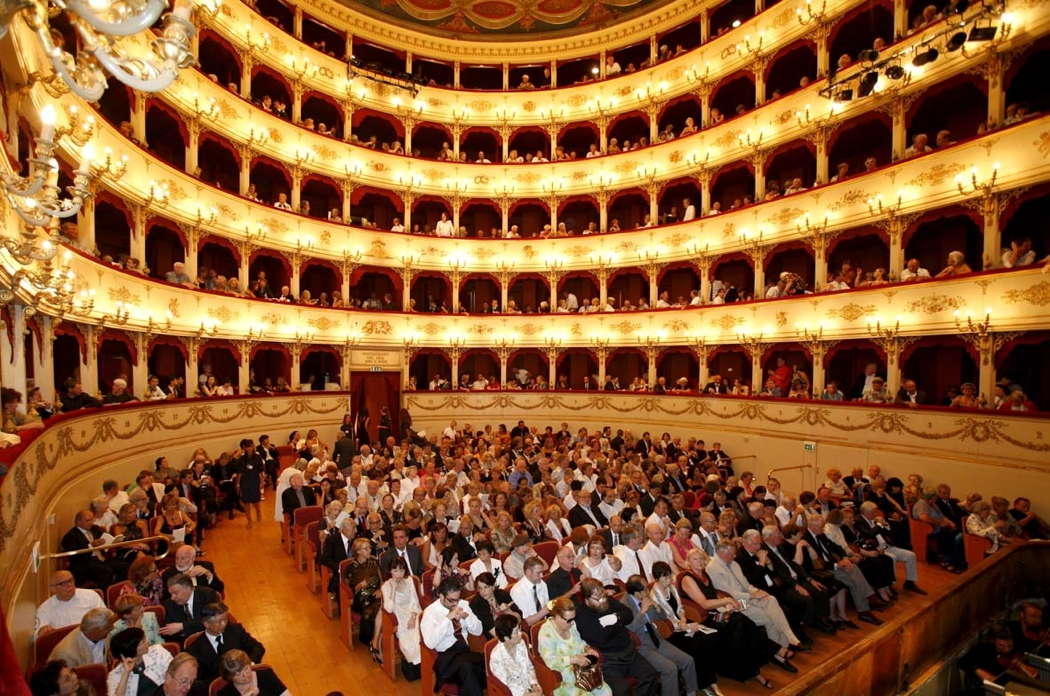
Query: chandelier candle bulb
183, 9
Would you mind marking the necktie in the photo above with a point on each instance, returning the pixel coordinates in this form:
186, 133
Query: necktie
457, 630
615, 539
536, 597
218, 644
709, 547
649, 628
641, 568
404, 556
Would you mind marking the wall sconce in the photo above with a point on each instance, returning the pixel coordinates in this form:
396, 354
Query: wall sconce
875, 205
809, 14
974, 185
886, 333
107, 165
159, 193
979, 328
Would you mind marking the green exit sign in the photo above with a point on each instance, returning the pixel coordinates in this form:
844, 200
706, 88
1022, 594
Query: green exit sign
808, 446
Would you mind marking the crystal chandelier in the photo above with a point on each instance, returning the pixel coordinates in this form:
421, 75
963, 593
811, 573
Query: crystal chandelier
99, 26
35, 197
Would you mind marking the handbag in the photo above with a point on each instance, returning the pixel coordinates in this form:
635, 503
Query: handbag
590, 677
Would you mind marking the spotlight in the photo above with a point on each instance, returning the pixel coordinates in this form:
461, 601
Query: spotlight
867, 83
895, 71
927, 56
868, 55
736, 23
843, 95
982, 33
594, 70
956, 41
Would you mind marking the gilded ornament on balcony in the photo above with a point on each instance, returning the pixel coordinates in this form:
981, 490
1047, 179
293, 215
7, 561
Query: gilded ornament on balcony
727, 322
275, 225
1043, 144
785, 116
432, 174
528, 252
1038, 294
322, 324
937, 174
173, 307
787, 215
676, 326
376, 328
675, 157
783, 19
226, 213
227, 112
730, 137
435, 103
325, 153
578, 251
430, 328
626, 247
933, 304
122, 294
271, 318
577, 329
527, 178
623, 91
326, 237
277, 46
479, 105
852, 311
678, 239
377, 249
782, 318
530, 329
175, 192
485, 252
377, 166
626, 328
850, 198
276, 136
529, 106
580, 175
729, 230
480, 330
221, 313
626, 167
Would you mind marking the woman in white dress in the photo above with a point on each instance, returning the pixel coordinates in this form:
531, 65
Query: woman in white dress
486, 562
401, 600
510, 662
598, 564
136, 660
557, 526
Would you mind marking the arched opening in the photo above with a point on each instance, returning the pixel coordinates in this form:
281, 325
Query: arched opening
676, 198
782, 363
477, 362
678, 367
427, 211
321, 114
269, 367
377, 131
1028, 219
794, 259
375, 287
320, 368
865, 247
579, 367
429, 364
277, 13
680, 117
380, 59
859, 30
791, 169
269, 273
529, 293
431, 292
933, 236
860, 144
481, 217
219, 163
628, 131
730, 14
112, 230
115, 359
957, 105
733, 278
845, 364
794, 67
322, 37
1023, 362
680, 282
320, 197
115, 107
628, 210
479, 293
271, 92
216, 256
733, 187
682, 38
431, 139
578, 70
529, 142
271, 182
631, 58
581, 139
478, 144
381, 208
529, 215
578, 215
66, 351
218, 60
1026, 93
321, 280
167, 361
525, 364
481, 77
939, 365
526, 77
165, 247
734, 96
165, 135
220, 359
581, 286
733, 365
626, 366
628, 287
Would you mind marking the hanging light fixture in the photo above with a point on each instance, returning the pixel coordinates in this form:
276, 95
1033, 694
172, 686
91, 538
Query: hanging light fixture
100, 25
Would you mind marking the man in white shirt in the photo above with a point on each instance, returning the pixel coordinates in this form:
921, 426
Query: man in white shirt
444, 226
104, 517
1020, 253
629, 553
116, 498
572, 302
611, 505
913, 271
690, 210
656, 549
788, 511
67, 605
444, 628
530, 593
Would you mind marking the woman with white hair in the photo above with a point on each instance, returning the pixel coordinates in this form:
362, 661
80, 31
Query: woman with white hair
983, 522
956, 265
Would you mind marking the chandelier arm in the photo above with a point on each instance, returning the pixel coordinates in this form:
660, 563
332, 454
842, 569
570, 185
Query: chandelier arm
126, 27
131, 71
63, 61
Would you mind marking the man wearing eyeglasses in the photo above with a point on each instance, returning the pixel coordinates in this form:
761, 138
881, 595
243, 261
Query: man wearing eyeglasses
181, 674
67, 605
445, 626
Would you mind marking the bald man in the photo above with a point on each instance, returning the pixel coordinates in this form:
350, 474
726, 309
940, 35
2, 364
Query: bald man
67, 604
297, 495
89, 568
86, 645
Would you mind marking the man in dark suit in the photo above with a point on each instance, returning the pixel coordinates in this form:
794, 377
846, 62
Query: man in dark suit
645, 445
604, 624
909, 394
617, 442
613, 534
344, 452
336, 549
296, 496
565, 576
463, 540
271, 458
583, 512
716, 386
200, 572
841, 563
184, 607
790, 574
519, 430
409, 552
755, 563
220, 635
863, 382
87, 568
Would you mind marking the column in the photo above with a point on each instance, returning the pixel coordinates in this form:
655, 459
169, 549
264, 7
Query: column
705, 27
12, 350
821, 143
192, 240
504, 353
650, 353
296, 371
823, 52
504, 291
756, 368
986, 374
552, 280
297, 101
900, 129
759, 73
603, 132
140, 369
995, 68
653, 112
601, 63
704, 267
554, 72
504, 136
86, 225
704, 179
504, 205
506, 76
89, 365
244, 369
409, 124
553, 204
407, 197
603, 291
820, 263
138, 116
652, 50
900, 22
348, 119
344, 285
896, 230
138, 233
603, 210
758, 257
242, 272
348, 46
758, 161
993, 235
344, 370
455, 203
653, 271
552, 133
701, 358
297, 274
406, 289
348, 194
246, 168
454, 359
44, 357
297, 188
816, 384
406, 363
193, 129
455, 74
654, 202
408, 62
246, 75
705, 104
552, 367
758, 6
192, 368
601, 368
893, 366
297, 23
455, 293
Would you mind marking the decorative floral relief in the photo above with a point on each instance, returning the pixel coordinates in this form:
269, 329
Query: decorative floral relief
1038, 294
1043, 144
480, 105
221, 313
729, 230
577, 329
626, 327
173, 308
786, 215
677, 326
325, 153
935, 175
271, 318
530, 329
430, 328
320, 323
275, 225
528, 251
785, 116
626, 167
376, 328
122, 294
527, 178
675, 156
933, 304
377, 249
852, 311
480, 330
727, 322
782, 318
850, 198
728, 138
529, 106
